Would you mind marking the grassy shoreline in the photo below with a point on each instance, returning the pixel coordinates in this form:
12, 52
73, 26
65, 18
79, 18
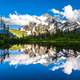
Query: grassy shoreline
59, 39
62, 44
44, 41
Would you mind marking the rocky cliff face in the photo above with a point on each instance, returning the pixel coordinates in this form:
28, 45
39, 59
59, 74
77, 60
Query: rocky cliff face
49, 24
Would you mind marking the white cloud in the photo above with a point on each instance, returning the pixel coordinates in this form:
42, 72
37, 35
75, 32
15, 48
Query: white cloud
68, 12
55, 11
17, 19
21, 19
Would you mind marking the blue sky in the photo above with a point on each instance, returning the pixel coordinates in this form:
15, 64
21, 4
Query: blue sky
34, 7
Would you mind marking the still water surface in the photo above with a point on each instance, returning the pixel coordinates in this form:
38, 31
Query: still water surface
36, 62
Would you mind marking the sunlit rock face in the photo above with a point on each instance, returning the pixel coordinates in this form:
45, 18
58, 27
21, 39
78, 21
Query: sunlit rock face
65, 59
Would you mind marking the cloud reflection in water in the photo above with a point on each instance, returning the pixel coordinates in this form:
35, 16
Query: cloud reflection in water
65, 59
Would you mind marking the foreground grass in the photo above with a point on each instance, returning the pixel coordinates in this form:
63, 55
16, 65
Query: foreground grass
17, 33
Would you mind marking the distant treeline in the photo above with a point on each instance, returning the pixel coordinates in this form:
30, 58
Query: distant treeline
61, 38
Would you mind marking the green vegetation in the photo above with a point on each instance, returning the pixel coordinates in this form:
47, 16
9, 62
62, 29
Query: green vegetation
70, 38
58, 39
17, 33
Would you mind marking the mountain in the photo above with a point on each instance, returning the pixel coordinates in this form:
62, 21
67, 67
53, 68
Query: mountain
35, 25
47, 23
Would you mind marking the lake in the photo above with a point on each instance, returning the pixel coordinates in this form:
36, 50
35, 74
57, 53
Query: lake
39, 62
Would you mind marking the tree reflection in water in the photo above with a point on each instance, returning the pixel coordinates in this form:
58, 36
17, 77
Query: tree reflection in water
3, 54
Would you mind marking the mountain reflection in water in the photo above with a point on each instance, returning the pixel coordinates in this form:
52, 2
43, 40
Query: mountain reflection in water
65, 59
